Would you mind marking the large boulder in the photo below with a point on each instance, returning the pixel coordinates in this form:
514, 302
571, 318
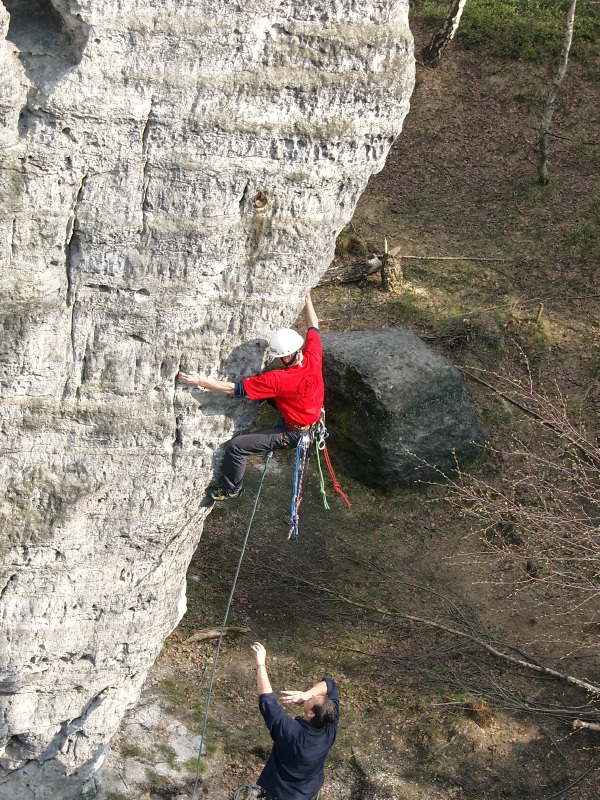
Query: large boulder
397, 409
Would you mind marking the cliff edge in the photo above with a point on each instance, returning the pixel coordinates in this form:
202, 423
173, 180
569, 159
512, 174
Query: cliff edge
174, 175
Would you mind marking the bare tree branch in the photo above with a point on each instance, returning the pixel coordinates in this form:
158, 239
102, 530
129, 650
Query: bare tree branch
527, 662
589, 687
572, 785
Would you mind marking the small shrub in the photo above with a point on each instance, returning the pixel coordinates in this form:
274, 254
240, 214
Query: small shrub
192, 766
132, 751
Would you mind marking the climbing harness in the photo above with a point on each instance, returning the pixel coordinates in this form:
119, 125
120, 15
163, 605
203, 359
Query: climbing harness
214, 667
317, 434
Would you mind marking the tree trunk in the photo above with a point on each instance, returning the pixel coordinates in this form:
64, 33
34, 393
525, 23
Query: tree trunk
547, 119
432, 53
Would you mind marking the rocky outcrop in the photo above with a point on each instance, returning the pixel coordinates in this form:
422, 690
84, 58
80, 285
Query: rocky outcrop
173, 178
398, 410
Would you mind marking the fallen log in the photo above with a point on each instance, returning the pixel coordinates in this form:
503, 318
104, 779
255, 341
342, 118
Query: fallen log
214, 633
350, 273
579, 724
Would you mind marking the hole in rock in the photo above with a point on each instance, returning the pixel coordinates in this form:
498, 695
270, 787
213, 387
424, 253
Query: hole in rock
260, 199
40, 30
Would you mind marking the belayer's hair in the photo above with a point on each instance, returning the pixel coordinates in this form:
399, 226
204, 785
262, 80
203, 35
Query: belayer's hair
324, 713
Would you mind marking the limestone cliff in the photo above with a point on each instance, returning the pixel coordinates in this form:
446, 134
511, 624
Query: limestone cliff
173, 176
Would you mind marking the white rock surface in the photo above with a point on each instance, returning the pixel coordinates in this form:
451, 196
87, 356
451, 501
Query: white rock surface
138, 140
153, 742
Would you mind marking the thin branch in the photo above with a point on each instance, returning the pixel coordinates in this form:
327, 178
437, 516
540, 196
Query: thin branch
555, 745
214, 633
573, 138
501, 393
589, 687
536, 415
572, 785
440, 170
462, 258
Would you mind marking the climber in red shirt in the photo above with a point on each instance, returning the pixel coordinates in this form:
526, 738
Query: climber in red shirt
297, 391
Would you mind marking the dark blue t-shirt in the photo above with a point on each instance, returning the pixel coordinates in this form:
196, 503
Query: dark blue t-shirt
295, 768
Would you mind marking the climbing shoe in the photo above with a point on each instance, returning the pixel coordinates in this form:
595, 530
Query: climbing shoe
218, 493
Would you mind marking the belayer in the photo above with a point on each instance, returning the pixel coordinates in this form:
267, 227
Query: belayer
297, 391
295, 767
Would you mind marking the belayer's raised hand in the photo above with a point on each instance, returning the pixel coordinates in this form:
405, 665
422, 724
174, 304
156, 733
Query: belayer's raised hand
292, 697
260, 652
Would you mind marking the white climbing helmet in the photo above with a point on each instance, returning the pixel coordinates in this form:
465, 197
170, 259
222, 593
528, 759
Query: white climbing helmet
284, 342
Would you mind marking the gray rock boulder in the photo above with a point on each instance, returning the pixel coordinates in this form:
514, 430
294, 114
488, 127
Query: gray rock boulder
397, 409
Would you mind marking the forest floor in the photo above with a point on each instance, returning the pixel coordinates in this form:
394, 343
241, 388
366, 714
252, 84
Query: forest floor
426, 715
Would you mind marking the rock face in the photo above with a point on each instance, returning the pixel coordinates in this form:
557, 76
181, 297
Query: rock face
173, 176
396, 407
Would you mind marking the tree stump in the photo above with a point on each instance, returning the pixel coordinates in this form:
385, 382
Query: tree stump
391, 274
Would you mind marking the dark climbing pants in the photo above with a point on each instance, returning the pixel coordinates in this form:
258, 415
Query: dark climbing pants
239, 448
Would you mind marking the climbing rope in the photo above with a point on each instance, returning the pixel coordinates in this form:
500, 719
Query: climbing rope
251, 791
214, 667
302, 451
321, 480
336, 484
318, 435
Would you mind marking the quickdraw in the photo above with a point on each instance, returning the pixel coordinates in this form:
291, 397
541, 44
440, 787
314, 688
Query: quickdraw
318, 434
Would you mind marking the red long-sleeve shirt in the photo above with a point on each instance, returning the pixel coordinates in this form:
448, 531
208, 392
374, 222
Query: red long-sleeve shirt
297, 391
